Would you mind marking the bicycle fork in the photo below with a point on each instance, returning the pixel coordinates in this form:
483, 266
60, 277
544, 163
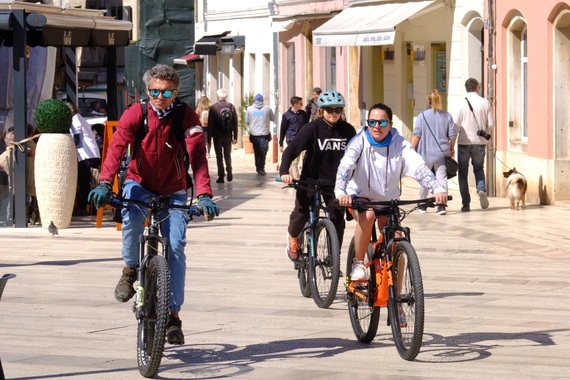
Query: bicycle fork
151, 241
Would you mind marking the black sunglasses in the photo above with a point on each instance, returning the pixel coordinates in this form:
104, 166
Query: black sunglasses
383, 123
334, 110
167, 94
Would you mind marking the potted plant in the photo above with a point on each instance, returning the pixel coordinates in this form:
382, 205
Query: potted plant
246, 101
55, 164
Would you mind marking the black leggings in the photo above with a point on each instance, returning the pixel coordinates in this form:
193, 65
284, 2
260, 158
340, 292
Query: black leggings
300, 214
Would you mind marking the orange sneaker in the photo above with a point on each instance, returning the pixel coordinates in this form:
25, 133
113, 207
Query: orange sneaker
293, 248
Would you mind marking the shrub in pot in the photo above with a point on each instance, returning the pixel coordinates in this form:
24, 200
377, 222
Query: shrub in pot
55, 164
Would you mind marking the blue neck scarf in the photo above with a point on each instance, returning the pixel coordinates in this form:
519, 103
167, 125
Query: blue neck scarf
379, 144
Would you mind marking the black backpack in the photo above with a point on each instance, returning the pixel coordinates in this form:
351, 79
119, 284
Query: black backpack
227, 118
141, 133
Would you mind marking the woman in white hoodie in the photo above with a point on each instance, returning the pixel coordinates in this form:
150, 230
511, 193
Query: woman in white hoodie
372, 167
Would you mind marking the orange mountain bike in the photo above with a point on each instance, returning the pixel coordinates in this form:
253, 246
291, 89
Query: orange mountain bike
395, 280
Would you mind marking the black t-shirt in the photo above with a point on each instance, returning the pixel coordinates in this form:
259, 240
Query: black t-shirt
324, 146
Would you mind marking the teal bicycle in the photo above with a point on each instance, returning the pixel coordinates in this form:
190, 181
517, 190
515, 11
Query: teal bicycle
151, 306
318, 264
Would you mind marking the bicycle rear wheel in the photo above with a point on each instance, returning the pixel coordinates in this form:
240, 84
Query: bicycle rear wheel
364, 316
303, 266
324, 269
152, 325
407, 309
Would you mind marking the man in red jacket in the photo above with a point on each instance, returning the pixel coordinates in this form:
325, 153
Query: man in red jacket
157, 168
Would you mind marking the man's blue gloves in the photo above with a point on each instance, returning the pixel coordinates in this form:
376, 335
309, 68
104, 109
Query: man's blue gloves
100, 195
209, 208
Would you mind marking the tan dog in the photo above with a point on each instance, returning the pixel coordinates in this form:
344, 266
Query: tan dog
516, 188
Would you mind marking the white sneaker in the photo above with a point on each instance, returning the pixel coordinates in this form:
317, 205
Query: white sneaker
359, 271
483, 199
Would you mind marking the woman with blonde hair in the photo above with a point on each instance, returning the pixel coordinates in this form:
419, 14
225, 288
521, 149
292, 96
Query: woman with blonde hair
434, 138
203, 109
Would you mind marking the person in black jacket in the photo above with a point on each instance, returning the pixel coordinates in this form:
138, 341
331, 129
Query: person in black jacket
324, 141
291, 123
223, 140
312, 105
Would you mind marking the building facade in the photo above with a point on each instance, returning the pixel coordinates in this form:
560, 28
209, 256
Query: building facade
530, 56
395, 52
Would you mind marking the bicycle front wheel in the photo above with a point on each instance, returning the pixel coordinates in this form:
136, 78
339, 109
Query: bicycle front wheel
364, 316
152, 325
302, 265
406, 310
324, 268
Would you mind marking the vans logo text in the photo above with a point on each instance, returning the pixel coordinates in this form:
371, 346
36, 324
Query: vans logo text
332, 144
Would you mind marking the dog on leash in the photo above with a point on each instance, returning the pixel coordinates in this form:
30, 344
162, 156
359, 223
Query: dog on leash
516, 188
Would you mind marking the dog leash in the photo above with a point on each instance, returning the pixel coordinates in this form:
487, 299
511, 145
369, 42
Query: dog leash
492, 151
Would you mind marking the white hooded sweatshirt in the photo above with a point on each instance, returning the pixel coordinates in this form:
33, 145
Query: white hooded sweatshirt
375, 173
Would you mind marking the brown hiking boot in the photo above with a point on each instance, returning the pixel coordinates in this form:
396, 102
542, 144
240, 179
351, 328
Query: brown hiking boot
124, 290
174, 333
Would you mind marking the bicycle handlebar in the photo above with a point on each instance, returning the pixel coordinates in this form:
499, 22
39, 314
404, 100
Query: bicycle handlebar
304, 184
162, 203
363, 205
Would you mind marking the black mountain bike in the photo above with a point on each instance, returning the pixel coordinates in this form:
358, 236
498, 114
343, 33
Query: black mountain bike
394, 281
318, 265
151, 305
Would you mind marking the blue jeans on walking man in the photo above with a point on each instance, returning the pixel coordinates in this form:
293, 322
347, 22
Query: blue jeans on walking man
260, 149
173, 226
475, 153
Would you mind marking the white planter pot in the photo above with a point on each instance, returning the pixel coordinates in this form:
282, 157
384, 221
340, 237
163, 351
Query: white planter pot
56, 178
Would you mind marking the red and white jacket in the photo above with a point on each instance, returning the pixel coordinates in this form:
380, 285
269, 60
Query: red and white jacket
159, 162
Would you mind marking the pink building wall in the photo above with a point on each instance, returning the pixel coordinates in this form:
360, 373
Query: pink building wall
537, 157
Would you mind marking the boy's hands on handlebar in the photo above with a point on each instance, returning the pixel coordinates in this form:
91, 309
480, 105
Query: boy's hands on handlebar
100, 195
286, 179
209, 208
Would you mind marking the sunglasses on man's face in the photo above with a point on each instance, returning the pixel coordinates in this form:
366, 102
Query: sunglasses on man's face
167, 94
372, 123
331, 110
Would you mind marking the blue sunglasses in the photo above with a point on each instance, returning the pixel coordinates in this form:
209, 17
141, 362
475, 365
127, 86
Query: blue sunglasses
383, 123
167, 94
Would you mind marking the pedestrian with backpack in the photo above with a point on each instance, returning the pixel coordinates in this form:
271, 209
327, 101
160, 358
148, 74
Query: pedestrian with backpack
154, 130
222, 124
257, 118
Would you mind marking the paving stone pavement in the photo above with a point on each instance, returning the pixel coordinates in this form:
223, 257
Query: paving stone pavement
497, 285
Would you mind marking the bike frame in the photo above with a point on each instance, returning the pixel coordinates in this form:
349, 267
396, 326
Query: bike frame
152, 238
382, 258
314, 216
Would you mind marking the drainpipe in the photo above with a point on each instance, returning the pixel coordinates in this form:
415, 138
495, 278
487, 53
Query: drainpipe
272, 11
491, 190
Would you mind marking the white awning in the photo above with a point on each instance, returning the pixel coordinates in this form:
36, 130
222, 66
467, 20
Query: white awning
366, 25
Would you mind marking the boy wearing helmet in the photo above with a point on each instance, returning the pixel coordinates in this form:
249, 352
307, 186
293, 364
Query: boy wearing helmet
324, 141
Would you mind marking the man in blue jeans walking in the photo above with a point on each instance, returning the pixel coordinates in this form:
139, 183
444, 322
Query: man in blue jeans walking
474, 120
257, 117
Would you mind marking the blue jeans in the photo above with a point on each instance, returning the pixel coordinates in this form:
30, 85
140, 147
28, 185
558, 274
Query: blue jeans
173, 226
260, 148
477, 155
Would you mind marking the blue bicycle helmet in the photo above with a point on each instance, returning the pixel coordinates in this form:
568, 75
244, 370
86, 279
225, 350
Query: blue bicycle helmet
331, 99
